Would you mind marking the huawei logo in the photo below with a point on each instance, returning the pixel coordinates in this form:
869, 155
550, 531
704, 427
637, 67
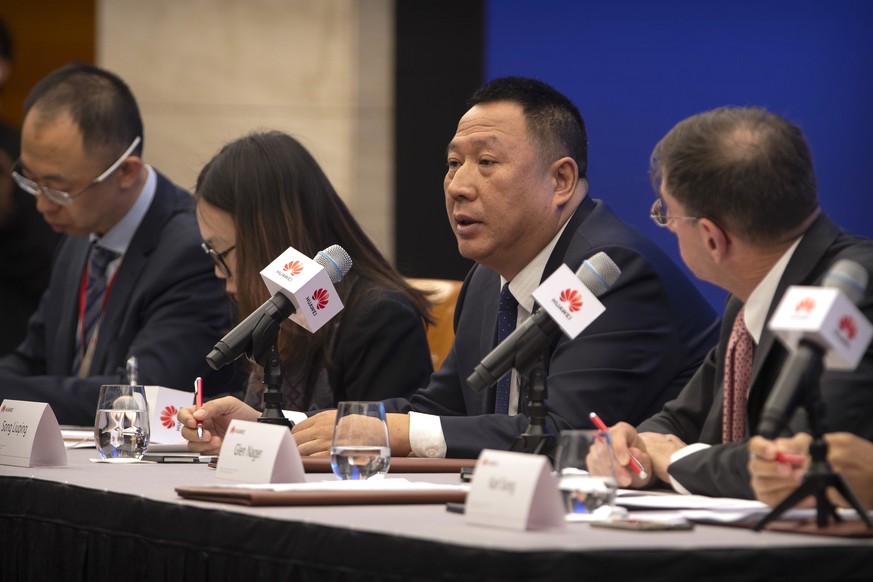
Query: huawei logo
294, 268
572, 298
848, 327
168, 416
806, 305
321, 297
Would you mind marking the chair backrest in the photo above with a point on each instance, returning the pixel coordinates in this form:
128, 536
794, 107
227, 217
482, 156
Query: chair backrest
443, 295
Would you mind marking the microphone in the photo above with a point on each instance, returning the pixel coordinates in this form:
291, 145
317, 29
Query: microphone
292, 287
529, 340
824, 329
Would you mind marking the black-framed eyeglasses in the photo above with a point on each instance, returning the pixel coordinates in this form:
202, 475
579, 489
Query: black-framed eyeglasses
60, 197
218, 258
659, 214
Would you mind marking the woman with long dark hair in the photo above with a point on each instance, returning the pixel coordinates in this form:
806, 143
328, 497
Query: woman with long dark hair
265, 192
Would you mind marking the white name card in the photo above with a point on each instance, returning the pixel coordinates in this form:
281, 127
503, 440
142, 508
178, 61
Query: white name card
30, 435
257, 452
514, 491
568, 301
164, 404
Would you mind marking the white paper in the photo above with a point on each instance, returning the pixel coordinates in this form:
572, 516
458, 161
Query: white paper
678, 501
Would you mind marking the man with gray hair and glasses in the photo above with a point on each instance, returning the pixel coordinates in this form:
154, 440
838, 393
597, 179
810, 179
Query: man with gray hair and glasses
129, 277
736, 186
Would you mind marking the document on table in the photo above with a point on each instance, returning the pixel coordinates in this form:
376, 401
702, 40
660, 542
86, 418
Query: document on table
711, 509
78, 437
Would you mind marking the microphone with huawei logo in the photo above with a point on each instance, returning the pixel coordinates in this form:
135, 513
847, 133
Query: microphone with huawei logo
568, 302
823, 329
303, 291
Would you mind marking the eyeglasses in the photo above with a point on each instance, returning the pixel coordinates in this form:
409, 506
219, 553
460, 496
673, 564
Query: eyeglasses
59, 196
218, 258
659, 214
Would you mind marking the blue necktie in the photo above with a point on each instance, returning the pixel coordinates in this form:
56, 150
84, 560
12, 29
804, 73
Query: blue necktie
95, 289
506, 318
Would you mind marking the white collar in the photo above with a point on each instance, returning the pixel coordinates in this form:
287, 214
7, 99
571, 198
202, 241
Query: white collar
528, 279
762, 296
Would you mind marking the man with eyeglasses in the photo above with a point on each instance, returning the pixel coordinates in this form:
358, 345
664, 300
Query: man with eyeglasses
517, 199
737, 188
129, 277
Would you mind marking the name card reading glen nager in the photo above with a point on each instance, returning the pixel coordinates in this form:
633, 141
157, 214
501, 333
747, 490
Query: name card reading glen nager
254, 452
30, 435
514, 491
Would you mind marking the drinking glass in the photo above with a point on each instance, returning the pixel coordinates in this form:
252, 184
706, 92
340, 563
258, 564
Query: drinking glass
586, 489
121, 428
360, 447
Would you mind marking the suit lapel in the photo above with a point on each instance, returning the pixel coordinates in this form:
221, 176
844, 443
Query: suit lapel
559, 253
134, 262
69, 314
770, 354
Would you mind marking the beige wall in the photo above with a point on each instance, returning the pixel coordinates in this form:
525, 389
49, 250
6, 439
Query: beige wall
208, 71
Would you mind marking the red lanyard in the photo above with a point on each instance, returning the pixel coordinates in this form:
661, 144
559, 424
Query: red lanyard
82, 291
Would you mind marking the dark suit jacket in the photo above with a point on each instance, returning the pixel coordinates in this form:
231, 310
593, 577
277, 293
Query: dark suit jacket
166, 307
696, 415
378, 350
655, 332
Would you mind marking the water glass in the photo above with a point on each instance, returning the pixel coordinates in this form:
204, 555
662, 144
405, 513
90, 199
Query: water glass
360, 448
121, 428
587, 487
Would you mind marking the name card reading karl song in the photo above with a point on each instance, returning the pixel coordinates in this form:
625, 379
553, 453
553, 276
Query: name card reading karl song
514, 491
254, 452
30, 435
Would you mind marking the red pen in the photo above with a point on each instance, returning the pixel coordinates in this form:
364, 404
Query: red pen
789, 459
634, 462
198, 396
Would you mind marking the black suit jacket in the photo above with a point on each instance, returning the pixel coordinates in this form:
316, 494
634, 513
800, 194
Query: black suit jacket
655, 332
696, 415
166, 307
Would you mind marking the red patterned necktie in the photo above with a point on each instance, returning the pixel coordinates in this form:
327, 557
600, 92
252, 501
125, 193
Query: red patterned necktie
737, 374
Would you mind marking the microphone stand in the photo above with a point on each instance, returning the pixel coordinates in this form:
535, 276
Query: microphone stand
265, 351
534, 439
820, 475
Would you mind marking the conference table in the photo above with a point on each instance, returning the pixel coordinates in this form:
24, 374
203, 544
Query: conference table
90, 521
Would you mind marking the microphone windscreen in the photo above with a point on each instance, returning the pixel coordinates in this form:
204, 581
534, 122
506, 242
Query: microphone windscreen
598, 273
336, 261
849, 277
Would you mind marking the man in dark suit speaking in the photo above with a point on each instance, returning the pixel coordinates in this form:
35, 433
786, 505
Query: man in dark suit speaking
737, 188
517, 200
129, 277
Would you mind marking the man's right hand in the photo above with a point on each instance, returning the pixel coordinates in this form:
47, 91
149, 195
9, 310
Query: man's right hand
216, 416
624, 442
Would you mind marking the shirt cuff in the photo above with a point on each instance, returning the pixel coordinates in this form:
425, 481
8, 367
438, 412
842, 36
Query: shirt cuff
681, 454
426, 436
